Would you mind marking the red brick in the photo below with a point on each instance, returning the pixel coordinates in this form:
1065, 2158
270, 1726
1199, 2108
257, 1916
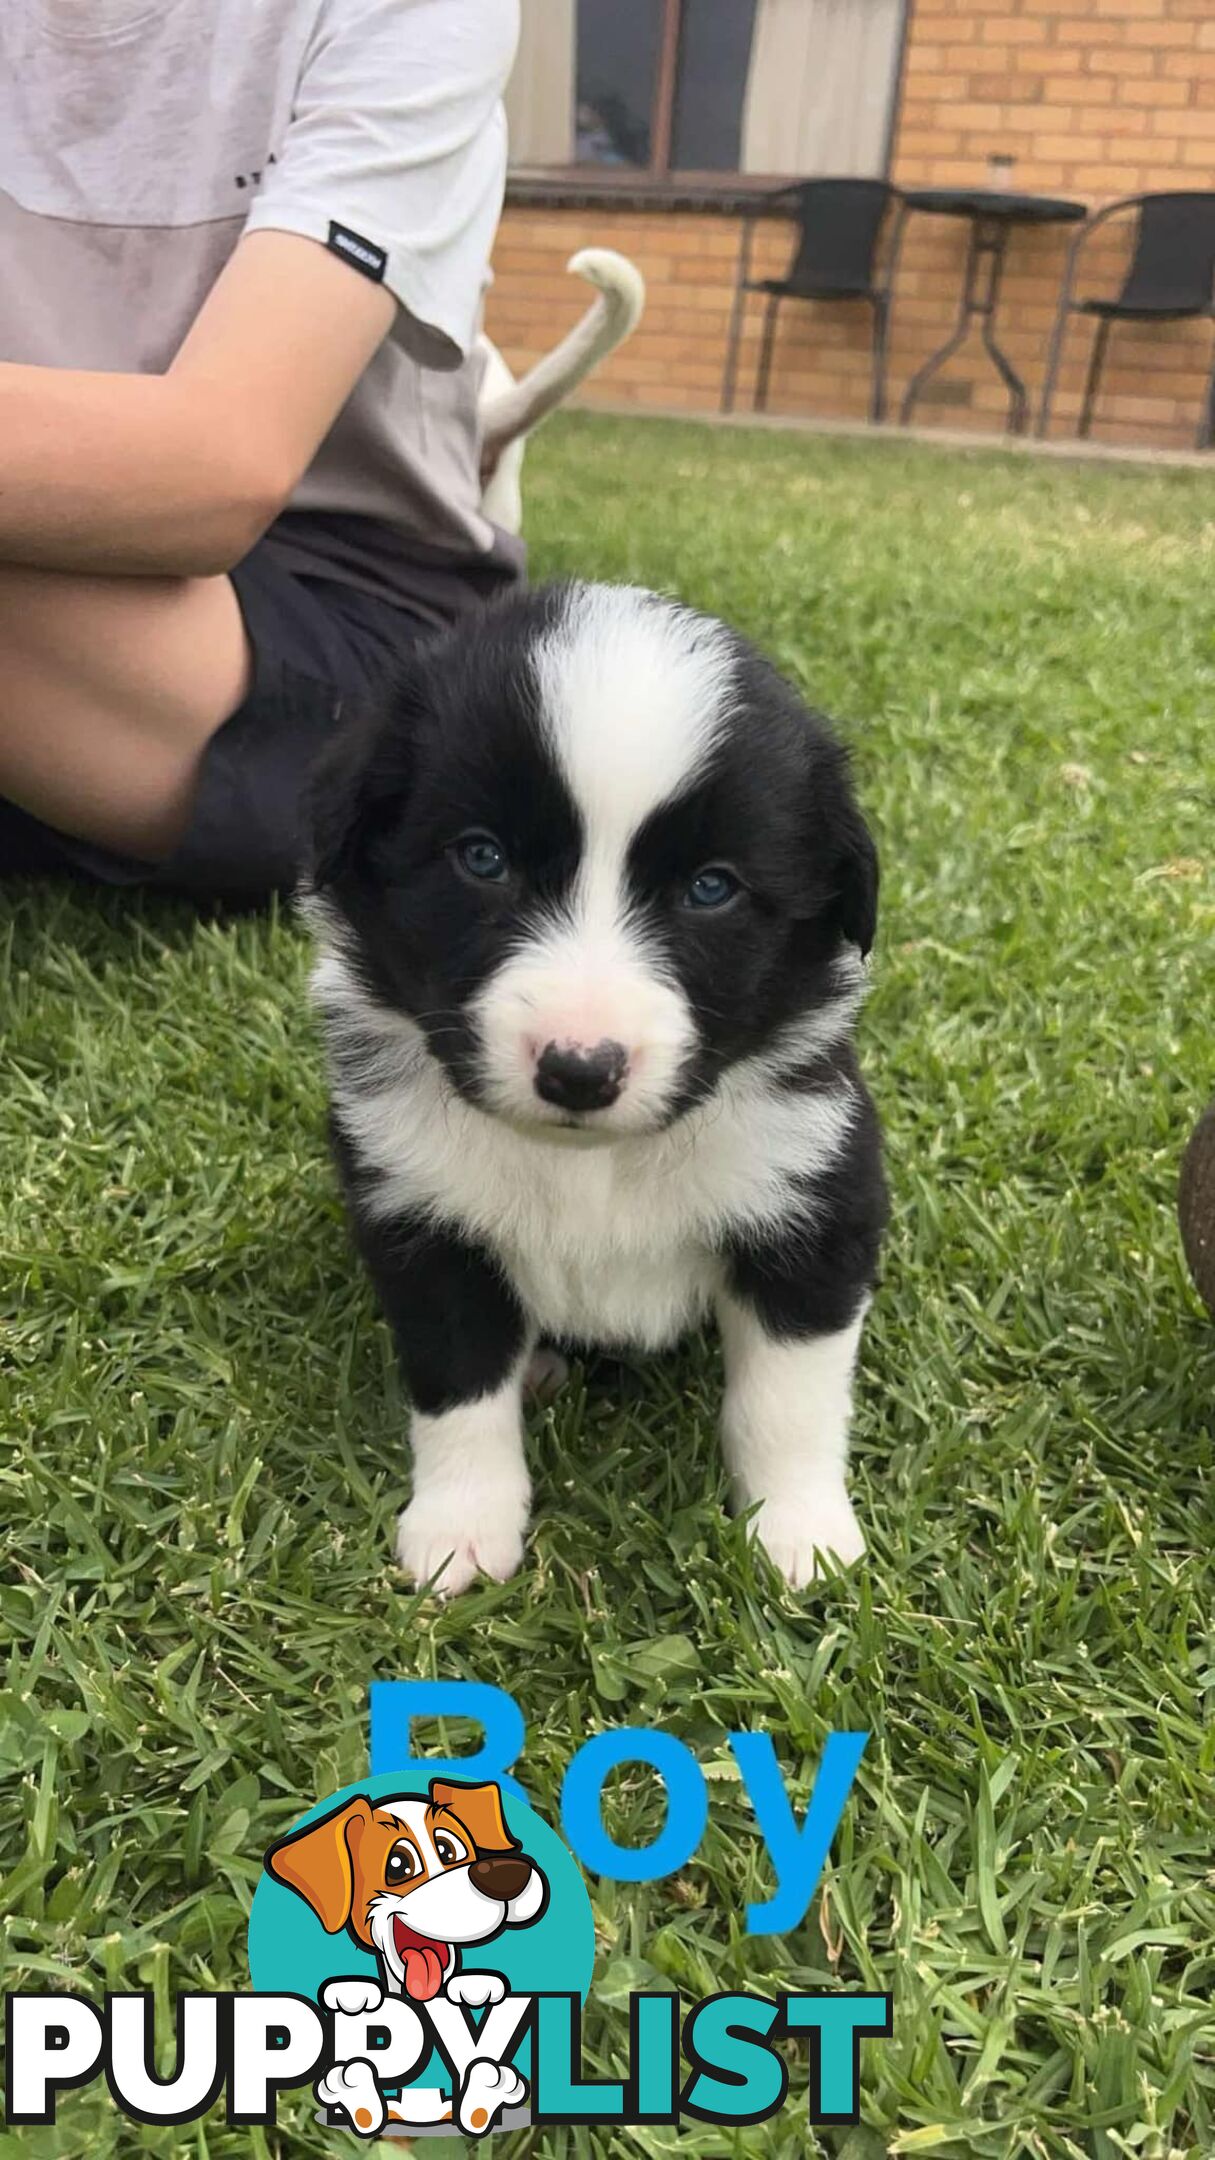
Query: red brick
1000, 86
1056, 146
986, 118
1194, 67
1159, 34
1132, 60
1196, 125
941, 84
1027, 119
1156, 93
1125, 123
1011, 30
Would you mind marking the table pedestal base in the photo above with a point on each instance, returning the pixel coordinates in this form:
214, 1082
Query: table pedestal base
980, 294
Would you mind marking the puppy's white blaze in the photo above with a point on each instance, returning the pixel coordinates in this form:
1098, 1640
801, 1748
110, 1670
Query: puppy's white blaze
633, 692
411, 1814
632, 695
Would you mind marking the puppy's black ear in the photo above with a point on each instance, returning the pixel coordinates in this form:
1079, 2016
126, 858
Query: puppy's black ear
357, 785
856, 880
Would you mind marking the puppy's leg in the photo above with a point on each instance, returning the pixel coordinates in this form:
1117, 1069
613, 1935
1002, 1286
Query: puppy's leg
785, 1424
462, 1343
471, 1492
791, 1311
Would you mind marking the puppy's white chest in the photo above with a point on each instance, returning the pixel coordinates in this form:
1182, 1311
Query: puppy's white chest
609, 1243
598, 1246
600, 1289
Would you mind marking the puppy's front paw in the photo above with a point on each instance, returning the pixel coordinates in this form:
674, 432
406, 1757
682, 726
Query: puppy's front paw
798, 1529
353, 1998
352, 2087
488, 2088
452, 1546
475, 1988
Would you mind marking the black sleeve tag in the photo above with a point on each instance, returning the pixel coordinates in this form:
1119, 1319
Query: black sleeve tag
361, 254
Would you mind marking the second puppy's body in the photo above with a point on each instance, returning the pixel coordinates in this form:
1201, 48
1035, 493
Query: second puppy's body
510, 410
593, 895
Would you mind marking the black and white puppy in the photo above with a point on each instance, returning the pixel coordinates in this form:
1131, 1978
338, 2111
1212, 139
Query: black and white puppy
592, 894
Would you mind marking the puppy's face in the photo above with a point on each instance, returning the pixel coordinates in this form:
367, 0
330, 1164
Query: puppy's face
598, 851
414, 1879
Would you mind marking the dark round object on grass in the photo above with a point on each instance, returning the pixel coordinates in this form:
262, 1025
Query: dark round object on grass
1196, 1206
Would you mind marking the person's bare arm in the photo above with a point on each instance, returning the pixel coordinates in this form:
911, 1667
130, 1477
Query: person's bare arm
179, 474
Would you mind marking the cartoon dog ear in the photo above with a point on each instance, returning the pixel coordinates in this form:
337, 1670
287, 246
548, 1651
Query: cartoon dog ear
318, 1862
479, 1808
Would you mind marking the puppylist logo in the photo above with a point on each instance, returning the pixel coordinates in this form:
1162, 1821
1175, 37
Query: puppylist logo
421, 1946
430, 1920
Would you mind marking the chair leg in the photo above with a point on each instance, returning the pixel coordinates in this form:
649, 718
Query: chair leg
1053, 361
881, 319
1093, 379
729, 379
729, 373
765, 354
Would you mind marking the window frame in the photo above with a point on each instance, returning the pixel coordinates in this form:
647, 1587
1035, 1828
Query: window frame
662, 112
659, 182
658, 171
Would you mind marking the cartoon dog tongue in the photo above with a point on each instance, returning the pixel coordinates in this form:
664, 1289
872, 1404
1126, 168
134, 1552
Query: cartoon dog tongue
425, 1962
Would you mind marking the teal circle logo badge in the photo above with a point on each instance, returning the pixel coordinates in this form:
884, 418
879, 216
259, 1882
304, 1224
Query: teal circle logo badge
424, 1916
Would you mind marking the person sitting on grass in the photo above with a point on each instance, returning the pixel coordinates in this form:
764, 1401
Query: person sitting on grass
243, 251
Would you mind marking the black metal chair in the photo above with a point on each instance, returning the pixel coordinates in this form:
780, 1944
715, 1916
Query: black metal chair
1171, 277
835, 257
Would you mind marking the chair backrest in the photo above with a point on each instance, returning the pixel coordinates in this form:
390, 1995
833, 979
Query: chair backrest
1174, 254
838, 226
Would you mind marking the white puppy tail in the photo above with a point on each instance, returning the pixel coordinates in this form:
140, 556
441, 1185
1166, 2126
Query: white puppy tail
508, 414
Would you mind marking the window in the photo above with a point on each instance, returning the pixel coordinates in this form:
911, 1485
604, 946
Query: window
658, 87
715, 38
618, 46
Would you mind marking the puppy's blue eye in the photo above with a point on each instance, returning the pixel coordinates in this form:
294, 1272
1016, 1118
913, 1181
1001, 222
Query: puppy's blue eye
482, 857
712, 887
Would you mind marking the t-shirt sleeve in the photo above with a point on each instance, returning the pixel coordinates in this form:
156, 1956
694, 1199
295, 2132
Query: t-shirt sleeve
395, 156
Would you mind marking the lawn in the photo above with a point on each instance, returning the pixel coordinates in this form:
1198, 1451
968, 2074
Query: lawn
204, 1440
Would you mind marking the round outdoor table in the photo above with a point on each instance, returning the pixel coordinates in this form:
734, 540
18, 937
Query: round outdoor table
992, 215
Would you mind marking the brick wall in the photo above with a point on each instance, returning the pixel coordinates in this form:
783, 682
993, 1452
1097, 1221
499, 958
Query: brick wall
1091, 98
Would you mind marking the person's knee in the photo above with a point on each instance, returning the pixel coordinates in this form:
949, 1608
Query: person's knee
110, 689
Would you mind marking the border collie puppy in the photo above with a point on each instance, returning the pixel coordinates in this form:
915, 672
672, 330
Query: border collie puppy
592, 895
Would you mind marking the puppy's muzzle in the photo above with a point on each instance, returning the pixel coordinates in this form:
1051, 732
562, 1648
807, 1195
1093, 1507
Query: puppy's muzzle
572, 1076
501, 1877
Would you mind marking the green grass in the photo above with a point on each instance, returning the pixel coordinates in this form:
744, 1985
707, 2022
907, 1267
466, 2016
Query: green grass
204, 1443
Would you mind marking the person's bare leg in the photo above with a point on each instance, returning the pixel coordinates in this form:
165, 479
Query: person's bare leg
110, 689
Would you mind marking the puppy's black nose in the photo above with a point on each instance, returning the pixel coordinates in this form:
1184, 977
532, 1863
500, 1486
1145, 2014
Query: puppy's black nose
575, 1078
503, 1876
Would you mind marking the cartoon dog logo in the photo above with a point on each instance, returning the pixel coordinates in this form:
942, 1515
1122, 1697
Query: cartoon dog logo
416, 1882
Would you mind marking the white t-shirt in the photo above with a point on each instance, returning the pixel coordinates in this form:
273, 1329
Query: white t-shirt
139, 139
